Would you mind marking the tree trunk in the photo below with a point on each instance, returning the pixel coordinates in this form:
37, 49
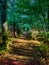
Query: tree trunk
48, 15
3, 14
3, 19
14, 29
45, 26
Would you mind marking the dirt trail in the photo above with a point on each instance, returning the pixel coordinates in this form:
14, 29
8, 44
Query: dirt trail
25, 41
21, 49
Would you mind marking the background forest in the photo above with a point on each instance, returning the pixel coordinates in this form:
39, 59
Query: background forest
23, 15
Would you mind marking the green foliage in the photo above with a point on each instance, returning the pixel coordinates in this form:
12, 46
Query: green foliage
5, 37
43, 49
2, 52
29, 35
28, 12
3, 45
41, 36
47, 34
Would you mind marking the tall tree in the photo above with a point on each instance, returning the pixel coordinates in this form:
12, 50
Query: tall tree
41, 8
3, 13
11, 15
3, 4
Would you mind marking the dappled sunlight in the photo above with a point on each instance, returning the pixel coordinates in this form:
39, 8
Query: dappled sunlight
24, 32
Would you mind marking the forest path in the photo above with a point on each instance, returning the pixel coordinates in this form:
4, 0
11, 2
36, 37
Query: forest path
21, 49
24, 40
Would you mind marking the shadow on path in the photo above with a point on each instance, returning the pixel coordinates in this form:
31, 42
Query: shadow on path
10, 62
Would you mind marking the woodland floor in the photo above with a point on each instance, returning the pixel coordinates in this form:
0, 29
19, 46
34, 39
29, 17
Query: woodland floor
21, 52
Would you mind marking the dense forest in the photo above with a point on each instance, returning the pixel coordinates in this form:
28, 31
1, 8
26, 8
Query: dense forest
24, 31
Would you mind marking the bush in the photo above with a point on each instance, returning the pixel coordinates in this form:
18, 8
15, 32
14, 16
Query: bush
41, 37
4, 41
43, 49
29, 35
47, 34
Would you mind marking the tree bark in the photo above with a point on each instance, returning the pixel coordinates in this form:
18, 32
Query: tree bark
3, 19
45, 26
14, 29
3, 14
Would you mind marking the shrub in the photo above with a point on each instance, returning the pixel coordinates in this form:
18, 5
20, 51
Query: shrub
47, 34
4, 41
29, 35
43, 49
41, 37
